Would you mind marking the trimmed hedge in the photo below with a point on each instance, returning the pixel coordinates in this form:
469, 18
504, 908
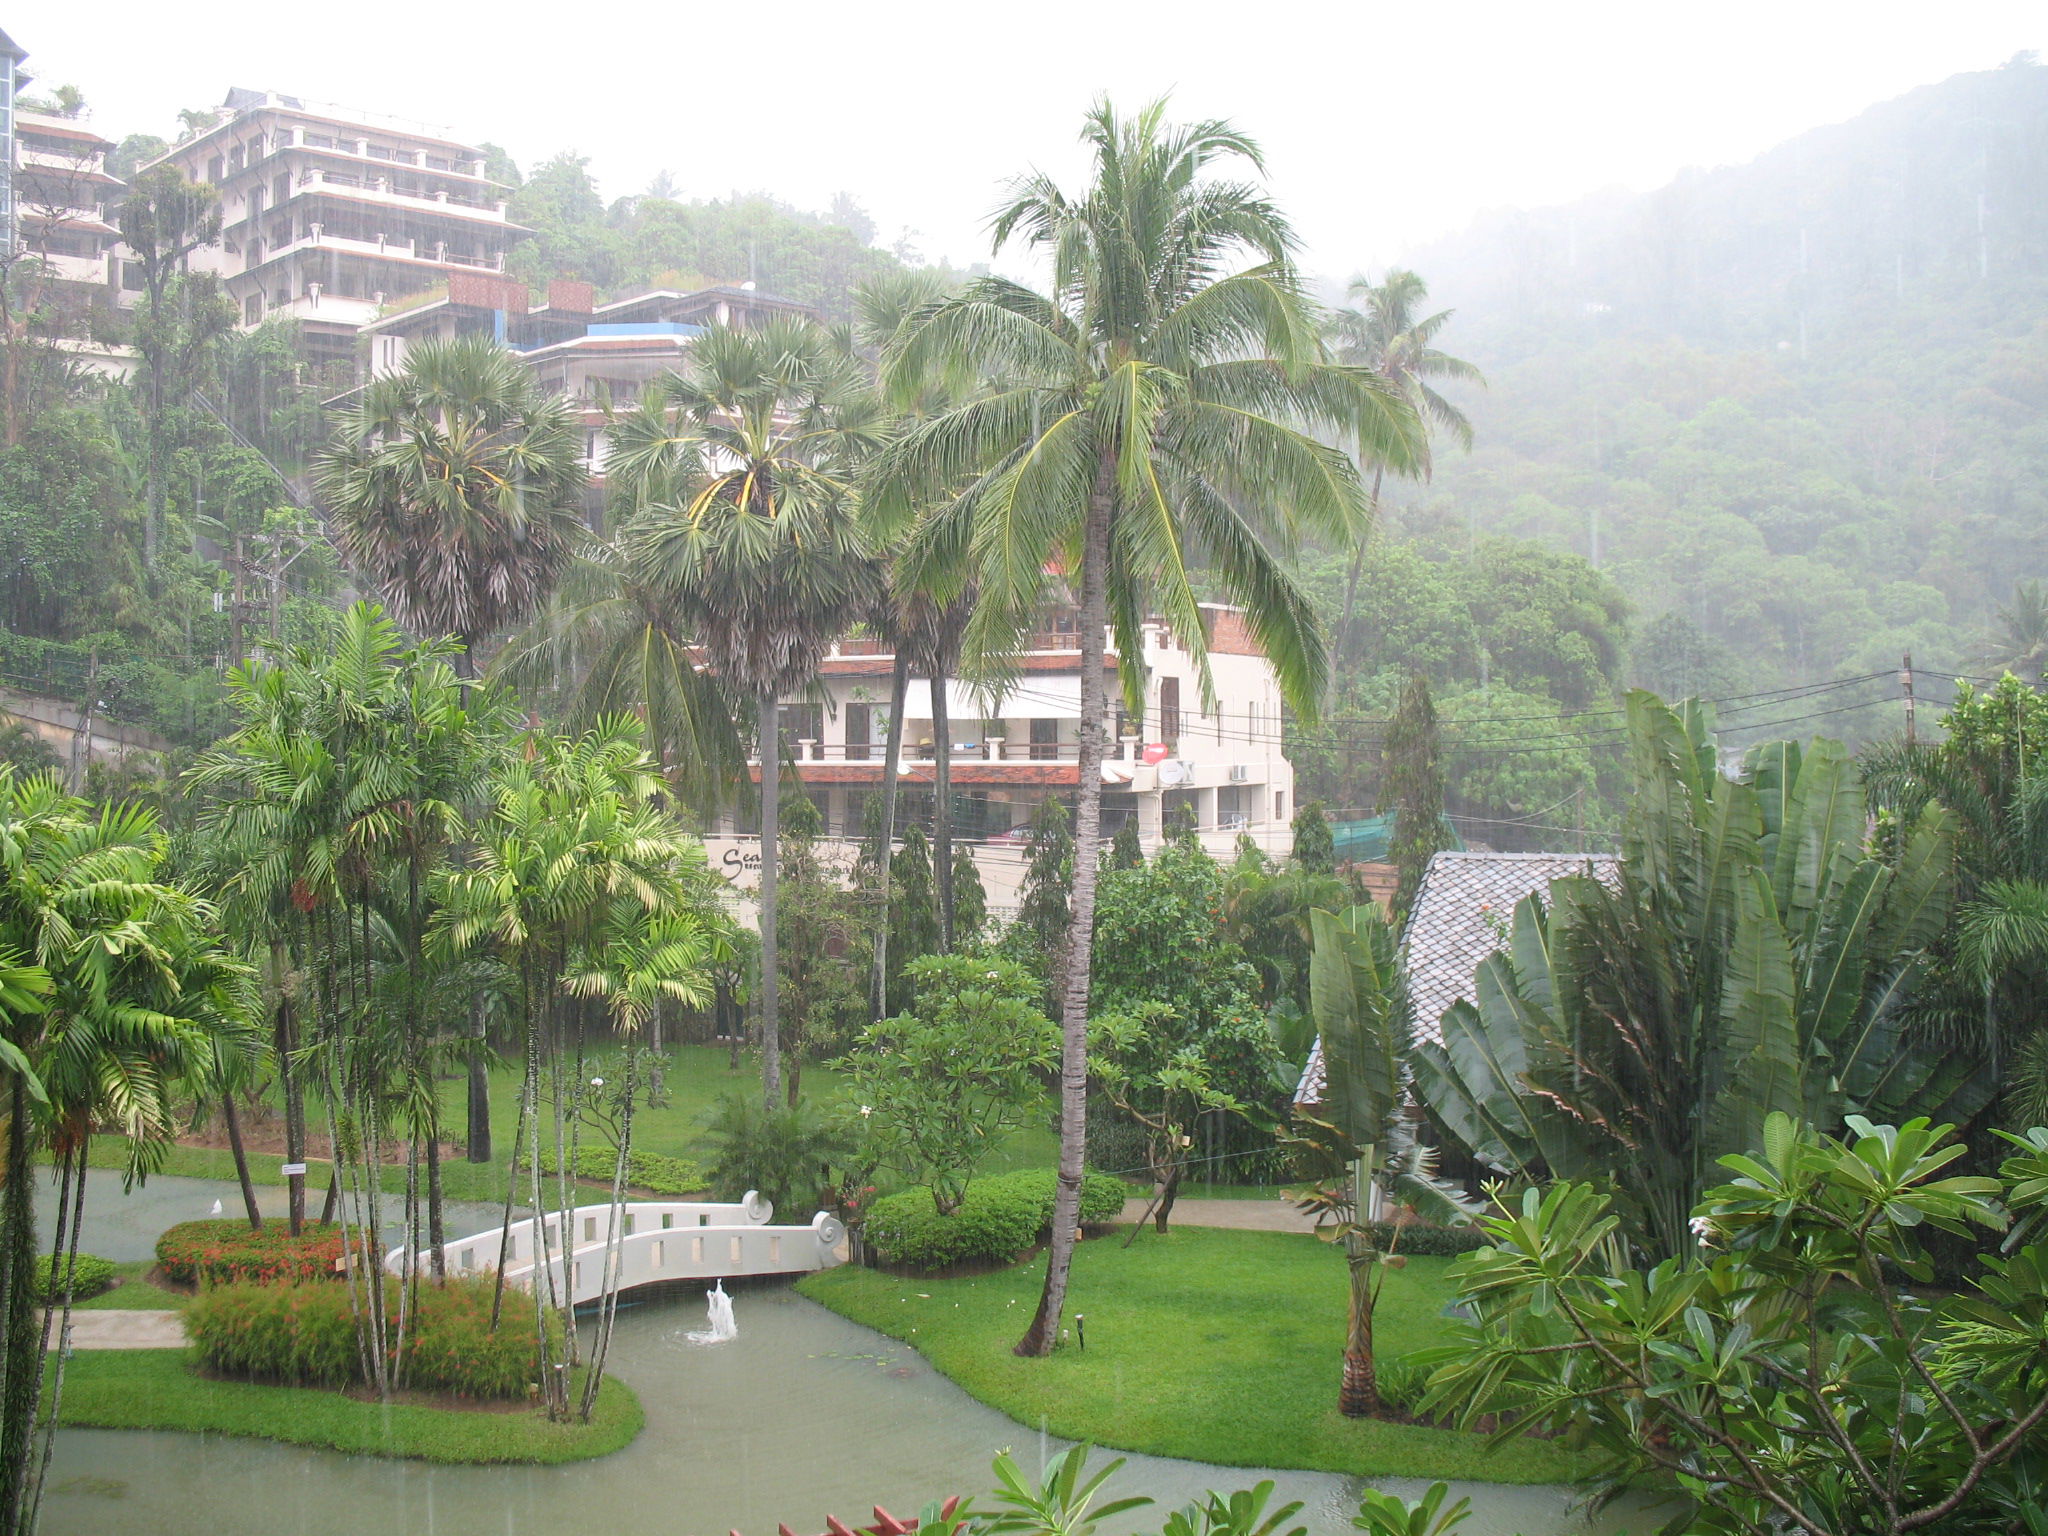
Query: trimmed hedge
92, 1276
224, 1251
998, 1218
644, 1170
1420, 1239
304, 1335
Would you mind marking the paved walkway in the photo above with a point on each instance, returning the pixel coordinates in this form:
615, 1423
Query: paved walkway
136, 1329
1273, 1215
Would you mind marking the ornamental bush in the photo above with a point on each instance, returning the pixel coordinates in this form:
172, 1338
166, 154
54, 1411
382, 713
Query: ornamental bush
998, 1219
1425, 1240
92, 1276
223, 1251
650, 1171
303, 1334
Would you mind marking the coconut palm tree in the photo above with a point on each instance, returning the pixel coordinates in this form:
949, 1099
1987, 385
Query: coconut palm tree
1164, 406
749, 534
2017, 640
455, 488
1385, 332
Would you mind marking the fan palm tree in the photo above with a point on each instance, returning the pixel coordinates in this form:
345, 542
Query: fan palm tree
455, 487
1157, 409
1385, 332
744, 465
2017, 641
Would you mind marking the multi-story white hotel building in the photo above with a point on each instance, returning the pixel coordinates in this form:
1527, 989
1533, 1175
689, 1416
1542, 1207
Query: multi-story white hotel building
330, 216
1227, 767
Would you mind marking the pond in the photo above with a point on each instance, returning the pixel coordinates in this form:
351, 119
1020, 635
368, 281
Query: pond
803, 1415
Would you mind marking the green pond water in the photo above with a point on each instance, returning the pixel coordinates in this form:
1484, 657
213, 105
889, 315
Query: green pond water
804, 1415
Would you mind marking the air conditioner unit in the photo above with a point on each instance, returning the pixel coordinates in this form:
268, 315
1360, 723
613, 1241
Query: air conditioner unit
1240, 773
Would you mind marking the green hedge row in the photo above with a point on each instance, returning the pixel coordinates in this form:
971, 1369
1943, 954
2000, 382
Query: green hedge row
92, 1276
644, 1170
997, 1219
1420, 1240
304, 1335
225, 1250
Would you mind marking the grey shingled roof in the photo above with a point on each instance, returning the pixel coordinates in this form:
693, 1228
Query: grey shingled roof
1465, 901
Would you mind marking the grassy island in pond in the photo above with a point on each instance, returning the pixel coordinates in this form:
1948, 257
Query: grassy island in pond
1217, 1346
160, 1389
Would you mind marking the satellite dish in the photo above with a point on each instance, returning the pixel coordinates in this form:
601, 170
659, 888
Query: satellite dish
1156, 752
1173, 771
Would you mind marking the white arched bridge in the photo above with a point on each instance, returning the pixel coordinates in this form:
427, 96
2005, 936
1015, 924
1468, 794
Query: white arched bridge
659, 1240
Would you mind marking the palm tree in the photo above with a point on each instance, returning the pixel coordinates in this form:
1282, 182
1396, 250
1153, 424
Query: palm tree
2017, 641
456, 488
1385, 333
1155, 410
114, 998
1360, 1005
744, 466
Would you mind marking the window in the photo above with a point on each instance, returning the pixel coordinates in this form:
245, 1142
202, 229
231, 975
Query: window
131, 277
1279, 805
1169, 712
801, 722
859, 731
252, 309
1045, 740
215, 169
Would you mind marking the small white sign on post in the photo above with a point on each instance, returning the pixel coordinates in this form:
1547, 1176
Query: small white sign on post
291, 1168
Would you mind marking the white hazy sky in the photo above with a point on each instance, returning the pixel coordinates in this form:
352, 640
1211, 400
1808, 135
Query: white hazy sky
1384, 124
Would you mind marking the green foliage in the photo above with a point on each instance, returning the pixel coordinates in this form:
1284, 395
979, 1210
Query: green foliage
1159, 939
913, 911
88, 1273
1315, 851
1412, 787
648, 1171
1750, 956
1124, 850
226, 1251
296, 1334
970, 899
997, 1219
1423, 1239
941, 1085
784, 1151
1764, 1394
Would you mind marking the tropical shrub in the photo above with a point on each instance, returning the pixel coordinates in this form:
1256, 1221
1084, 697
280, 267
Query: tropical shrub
92, 1276
1423, 1239
304, 1335
785, 1154
996, 1220
650, 1171
224, 1251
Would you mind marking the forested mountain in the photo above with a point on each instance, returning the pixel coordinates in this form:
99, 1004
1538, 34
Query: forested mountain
1795, 408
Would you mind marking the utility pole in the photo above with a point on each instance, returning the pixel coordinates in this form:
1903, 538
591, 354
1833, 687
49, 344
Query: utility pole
235, 607
1906, 682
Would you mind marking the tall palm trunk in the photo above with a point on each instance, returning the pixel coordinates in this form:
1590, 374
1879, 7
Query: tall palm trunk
1040, 1337
234, 1125
21, 1361
771, 827
285, 1039
478, 1138
899, 697
942, 804
1351, 580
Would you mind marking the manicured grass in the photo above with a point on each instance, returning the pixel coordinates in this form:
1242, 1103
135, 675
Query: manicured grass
133, 1293
157, 1389
1219, 1346
695, 1077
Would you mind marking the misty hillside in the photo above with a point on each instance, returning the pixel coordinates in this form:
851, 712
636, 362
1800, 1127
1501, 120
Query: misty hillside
1797, 409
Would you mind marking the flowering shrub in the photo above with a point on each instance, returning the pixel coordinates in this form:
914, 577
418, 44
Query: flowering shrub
223, 1251
304, 1335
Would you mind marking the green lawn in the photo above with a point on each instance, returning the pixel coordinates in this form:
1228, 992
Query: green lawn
132, 1293
1214, 1345
697, 1075
157, 1389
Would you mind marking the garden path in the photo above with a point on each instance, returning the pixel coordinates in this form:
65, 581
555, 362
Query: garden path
127, 1330
1274, 1215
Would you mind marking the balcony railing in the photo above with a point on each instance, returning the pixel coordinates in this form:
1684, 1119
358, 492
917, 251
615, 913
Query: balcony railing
379, 186
994, 750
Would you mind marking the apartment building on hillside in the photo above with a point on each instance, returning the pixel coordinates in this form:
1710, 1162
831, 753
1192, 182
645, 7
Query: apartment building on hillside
1225, 766
331, 216
594, 356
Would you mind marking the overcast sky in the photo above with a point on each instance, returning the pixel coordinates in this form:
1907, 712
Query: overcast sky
1385, 125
